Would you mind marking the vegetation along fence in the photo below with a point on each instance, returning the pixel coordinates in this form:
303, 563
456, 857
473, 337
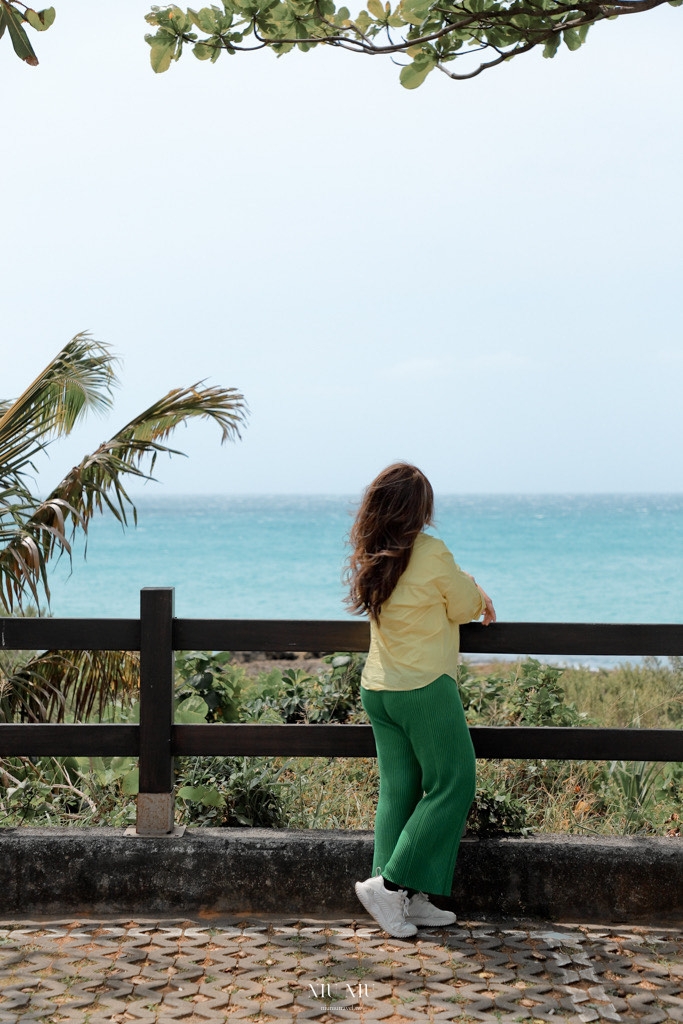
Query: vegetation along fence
155, 741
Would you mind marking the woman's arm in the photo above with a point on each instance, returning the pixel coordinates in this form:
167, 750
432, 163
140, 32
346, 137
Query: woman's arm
489, 610
465, 599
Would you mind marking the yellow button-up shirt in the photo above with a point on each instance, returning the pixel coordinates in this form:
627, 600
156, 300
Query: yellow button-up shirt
417, 638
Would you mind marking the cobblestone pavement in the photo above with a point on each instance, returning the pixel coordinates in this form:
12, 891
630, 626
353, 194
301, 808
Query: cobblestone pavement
268, 969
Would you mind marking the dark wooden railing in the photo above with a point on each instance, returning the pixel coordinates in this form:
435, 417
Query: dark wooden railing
157, 634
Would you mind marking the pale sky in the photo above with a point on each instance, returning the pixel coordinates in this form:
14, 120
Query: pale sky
482, 277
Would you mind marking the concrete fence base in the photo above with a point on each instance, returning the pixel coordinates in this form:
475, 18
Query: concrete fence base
100, 871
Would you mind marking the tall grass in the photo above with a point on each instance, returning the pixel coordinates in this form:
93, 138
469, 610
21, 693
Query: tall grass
647, 696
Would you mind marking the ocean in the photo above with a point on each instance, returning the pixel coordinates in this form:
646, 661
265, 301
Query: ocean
542, 558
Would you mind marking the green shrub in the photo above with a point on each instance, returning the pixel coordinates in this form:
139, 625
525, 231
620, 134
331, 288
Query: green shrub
230, 791
295, 696
496, 810
211, 676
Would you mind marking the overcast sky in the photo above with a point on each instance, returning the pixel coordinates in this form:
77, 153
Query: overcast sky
480, 277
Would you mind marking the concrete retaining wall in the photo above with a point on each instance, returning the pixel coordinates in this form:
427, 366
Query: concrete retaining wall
98, 871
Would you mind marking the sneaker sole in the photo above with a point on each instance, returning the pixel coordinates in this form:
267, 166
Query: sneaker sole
412, 929
422, 923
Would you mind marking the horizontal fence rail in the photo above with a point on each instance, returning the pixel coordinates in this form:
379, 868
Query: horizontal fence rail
43, 740
70, 634
526, 638
156, 741
565, 744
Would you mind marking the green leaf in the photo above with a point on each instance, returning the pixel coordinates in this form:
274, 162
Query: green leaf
130, 783
3, 21
121, 766
177, 19
413, 75
33, 19
98, 766
376, 9
414, 11
163, 48
101, 770
207, 795
20, 42
191, 711
40, 20
204, 19
552, 46
572, 38
203, 52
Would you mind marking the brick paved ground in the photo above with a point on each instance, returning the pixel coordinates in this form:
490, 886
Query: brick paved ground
266, 969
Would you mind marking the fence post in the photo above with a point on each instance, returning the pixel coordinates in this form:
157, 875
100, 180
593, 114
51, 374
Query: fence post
155, 797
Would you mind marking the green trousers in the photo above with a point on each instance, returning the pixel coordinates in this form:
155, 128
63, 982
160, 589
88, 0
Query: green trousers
426, 783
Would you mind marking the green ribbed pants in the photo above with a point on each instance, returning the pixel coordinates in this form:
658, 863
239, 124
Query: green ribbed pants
426, 783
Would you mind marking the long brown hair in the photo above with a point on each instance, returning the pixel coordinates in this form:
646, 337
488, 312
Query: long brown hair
395, 507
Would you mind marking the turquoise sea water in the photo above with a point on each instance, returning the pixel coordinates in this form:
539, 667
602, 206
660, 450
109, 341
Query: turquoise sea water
580, 558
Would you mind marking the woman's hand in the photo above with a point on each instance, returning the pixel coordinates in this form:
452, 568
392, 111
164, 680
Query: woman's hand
489, 610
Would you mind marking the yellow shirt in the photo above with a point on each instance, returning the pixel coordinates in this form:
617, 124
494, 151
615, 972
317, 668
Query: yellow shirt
417, 638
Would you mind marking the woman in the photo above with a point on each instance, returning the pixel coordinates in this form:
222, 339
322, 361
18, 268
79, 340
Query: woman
415, 595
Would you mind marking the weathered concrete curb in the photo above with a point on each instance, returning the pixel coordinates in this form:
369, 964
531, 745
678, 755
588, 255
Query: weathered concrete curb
46, 871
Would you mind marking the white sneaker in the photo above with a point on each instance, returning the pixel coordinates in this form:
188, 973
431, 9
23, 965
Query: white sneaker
424, 914
387, 907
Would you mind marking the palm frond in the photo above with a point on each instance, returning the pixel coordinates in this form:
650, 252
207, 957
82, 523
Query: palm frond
78, 380
97, 484
54, 684
15, 509
225, 406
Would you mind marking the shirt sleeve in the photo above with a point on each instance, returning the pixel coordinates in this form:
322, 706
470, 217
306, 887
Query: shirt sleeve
462, 596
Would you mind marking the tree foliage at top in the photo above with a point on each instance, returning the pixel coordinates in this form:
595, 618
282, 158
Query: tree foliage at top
424, 34
421, 34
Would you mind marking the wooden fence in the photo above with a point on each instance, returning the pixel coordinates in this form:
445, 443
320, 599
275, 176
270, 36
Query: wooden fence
156, 740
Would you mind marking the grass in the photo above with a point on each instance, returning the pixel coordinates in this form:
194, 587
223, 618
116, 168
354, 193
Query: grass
647, 696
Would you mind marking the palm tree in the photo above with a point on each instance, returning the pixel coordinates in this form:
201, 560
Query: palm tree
34, 532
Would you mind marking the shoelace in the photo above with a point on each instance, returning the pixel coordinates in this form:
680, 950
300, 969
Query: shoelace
404, 902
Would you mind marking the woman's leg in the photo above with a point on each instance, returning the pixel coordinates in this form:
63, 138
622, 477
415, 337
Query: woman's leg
400, 779
433, 721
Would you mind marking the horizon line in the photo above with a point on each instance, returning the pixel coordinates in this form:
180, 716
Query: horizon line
438, 494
